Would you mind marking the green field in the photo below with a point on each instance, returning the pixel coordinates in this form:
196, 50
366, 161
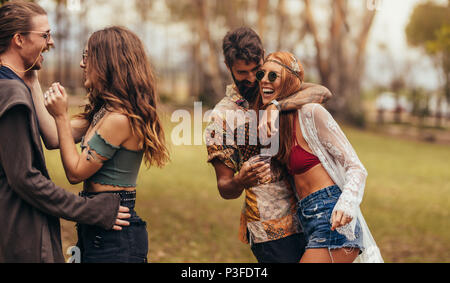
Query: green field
406, 203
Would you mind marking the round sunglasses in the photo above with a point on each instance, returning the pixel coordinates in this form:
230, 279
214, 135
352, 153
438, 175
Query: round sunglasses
272, 76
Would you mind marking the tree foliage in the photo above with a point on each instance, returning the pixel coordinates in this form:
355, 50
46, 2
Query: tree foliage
429, 29
440, 48
425, 21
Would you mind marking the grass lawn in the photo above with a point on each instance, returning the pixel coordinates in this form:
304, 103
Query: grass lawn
406, 203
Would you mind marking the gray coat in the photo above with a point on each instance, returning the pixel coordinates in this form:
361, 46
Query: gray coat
30, 204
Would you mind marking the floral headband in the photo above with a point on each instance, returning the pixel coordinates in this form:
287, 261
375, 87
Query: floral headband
294, 68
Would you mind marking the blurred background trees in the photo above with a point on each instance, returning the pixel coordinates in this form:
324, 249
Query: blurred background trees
331, 38
340, 56
386, 62
429, 29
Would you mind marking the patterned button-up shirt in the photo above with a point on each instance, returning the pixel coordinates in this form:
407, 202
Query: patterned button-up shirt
269, 211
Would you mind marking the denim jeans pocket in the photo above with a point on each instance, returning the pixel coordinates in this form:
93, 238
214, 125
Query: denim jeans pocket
138, 239
100, 245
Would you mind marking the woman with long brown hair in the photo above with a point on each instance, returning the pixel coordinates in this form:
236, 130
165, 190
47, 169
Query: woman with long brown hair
328, 176
118, 128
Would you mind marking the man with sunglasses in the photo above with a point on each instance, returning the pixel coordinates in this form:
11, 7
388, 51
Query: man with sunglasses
30, 204
268, 219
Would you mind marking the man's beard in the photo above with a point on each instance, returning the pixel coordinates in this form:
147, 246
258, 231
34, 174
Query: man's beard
248, 92
36, 67
36, 64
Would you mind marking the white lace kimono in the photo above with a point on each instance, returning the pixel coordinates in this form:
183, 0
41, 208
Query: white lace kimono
330, 145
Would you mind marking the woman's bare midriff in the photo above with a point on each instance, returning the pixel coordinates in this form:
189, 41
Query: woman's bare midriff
315, 178
98, 188
312, 180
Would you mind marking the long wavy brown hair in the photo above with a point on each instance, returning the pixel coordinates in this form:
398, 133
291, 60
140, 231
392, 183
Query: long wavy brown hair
122, 79
290, 84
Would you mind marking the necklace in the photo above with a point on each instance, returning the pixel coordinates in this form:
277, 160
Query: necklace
99, 115
17, 71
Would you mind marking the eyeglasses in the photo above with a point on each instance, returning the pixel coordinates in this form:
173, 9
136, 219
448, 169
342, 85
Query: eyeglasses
272, 76
45, 34
84, 57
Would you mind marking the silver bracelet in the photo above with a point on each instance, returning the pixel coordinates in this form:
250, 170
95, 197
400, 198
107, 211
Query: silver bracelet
277, 105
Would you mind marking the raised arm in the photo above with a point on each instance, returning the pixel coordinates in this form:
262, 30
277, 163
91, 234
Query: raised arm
47, 125
79, 167
309, 93
16, 157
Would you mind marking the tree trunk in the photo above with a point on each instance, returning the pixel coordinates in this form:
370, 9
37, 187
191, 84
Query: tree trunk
231, 17
212, 60
438, 114
322, 64
59, 45
262, 13
196, 68
340, 70
281, 16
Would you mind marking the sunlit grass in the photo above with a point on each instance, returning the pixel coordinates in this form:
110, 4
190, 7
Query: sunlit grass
406, 203
407, 199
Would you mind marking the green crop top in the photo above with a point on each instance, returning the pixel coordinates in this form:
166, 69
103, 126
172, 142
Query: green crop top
121, 168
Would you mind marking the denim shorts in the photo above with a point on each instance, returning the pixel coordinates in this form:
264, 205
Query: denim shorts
129, 245
314, 213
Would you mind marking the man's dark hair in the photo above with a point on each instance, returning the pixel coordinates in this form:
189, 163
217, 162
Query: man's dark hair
242, 44
15, 17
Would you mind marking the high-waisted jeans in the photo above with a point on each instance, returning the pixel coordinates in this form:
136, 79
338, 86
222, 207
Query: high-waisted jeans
128, 245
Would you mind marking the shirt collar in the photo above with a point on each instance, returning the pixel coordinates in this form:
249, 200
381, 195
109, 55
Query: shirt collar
236, 97
7, 73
